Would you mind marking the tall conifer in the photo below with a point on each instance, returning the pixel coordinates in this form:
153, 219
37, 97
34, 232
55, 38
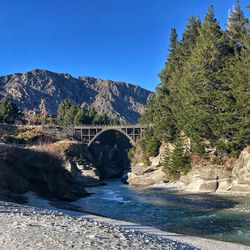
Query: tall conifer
237, 24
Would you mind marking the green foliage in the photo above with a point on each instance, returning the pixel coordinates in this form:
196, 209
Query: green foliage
216, 161
9, 112
63, 112
237, 75
237, 24
150, 144
204, 89
69, 113
175, 162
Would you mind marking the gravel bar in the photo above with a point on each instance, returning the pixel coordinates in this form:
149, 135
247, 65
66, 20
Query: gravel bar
27, 227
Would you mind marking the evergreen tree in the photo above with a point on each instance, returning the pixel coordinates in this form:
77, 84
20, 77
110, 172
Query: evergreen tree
204, 90
79, 118
66, 112
237, 126
237, 24
70, 115
159, 110
9, 112
175, 162
173, 39
190, 35
62, 110
200, 86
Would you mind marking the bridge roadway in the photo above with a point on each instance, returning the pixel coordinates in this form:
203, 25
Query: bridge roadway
88, 133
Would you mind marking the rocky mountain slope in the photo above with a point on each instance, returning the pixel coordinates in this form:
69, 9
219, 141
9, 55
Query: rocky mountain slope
114, 98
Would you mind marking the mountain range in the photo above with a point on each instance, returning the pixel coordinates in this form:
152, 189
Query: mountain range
105, 96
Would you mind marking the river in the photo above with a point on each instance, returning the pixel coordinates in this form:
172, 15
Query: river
205, 215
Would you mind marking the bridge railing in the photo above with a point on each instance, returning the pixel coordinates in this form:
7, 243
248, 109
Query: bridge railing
109, 126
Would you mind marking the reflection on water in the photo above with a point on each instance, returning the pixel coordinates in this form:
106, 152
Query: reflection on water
203, 215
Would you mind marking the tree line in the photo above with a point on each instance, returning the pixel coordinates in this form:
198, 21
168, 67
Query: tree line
68, 113
204, 90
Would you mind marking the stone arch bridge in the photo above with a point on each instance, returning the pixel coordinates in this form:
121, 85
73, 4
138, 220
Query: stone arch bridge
88, 133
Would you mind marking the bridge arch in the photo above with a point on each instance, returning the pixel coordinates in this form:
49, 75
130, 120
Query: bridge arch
88, 133
111, 129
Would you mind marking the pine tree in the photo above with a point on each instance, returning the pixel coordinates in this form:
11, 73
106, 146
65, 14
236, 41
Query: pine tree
9, 112
173, 39
175, 162
70, 115
204, 89
79, 118
190, 36
186, 47
66, 112
159, 110
237, 75
200, 86
64, 106
237, 24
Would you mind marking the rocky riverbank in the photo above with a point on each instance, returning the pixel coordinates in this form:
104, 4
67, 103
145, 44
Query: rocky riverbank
231, 177
26, 227
38, 170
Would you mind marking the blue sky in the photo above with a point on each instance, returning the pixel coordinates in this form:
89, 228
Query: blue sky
123, 40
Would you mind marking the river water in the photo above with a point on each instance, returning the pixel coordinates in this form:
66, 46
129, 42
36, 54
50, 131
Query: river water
204, 215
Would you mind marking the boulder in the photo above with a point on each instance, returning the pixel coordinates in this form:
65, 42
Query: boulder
208, 186
146, 179
241, 173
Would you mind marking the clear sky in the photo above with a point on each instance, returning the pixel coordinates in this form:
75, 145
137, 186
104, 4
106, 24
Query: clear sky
123, 40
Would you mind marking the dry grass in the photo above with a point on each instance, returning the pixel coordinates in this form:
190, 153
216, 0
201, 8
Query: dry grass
198, 160
49, 148
228, 161
28, 132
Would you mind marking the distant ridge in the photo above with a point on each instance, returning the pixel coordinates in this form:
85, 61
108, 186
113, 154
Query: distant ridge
106, 96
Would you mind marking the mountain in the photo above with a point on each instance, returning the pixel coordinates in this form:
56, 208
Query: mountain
106, 96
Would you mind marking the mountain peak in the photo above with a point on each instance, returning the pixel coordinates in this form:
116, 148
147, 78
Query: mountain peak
106, 96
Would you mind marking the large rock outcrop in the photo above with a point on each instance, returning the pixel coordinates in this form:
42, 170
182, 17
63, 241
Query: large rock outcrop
106, 96
23, 170
143, 175
231, 177
76, 159
208, 178
241, 173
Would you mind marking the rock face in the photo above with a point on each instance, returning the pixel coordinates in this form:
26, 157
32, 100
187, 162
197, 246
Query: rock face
207, 178
241, 173
110, 97
203, 177
78, 161
143, 175
23, 170
146, 176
